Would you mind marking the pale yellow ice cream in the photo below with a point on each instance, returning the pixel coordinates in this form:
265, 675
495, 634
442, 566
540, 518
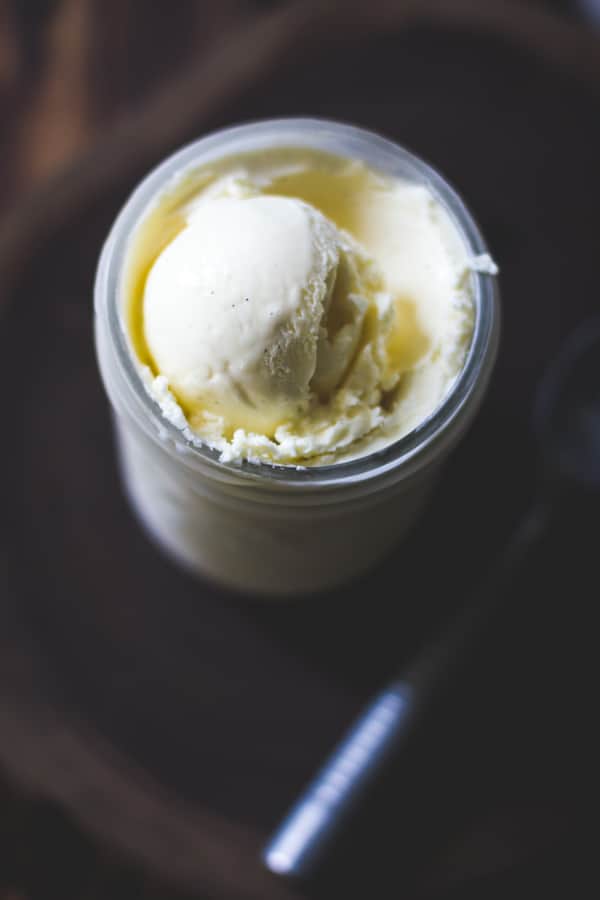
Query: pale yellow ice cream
245, 316
296, 308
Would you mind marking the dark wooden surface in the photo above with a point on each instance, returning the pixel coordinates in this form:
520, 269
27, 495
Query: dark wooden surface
175, 722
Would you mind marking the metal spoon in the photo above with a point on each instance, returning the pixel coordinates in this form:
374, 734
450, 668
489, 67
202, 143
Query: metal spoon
566, 419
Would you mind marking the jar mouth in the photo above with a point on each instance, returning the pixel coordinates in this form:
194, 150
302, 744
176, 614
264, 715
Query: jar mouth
341, 139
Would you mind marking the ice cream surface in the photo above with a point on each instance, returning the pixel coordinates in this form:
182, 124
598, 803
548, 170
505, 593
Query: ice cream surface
240, 309
297, 308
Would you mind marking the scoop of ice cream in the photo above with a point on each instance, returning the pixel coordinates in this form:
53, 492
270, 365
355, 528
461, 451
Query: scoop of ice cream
255, 311
287, 306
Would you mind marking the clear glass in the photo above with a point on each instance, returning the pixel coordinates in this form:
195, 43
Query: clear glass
263, 528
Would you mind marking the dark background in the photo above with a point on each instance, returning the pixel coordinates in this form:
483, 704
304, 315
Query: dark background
495, 798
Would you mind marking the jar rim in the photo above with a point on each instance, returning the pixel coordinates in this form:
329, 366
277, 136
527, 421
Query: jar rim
343, 140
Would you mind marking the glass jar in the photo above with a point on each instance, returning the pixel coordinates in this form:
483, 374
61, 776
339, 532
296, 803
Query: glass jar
258, 527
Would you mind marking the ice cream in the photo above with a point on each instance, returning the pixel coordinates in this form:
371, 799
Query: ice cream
270, 320
297, 308
236, 311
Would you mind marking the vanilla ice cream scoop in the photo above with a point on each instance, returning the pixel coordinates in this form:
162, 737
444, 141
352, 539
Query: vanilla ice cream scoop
295, 308
254, 311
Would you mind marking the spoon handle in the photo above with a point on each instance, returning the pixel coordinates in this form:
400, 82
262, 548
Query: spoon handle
332, 797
